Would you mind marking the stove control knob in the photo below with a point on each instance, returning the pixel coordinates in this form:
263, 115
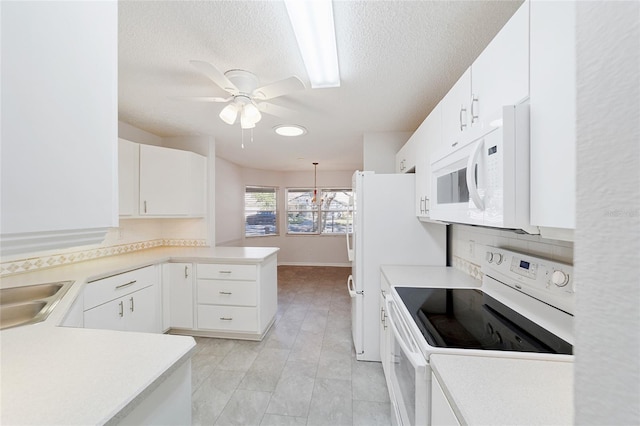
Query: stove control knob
489, 257
559, 278
498, 258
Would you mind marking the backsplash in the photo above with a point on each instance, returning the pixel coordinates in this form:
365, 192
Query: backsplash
17, 266
468, 245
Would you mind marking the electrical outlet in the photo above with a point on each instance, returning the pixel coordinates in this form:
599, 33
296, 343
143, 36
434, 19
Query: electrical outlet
472, 248
120, 233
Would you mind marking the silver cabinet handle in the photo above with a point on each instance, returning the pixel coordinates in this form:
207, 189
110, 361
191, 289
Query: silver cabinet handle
186, 271
126, 284
121, 309
145, 206
131, 304
224, 292
226, 319
462, 125
474, 114
225, 272
383, 318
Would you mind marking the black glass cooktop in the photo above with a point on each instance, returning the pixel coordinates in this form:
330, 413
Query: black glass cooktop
471, 319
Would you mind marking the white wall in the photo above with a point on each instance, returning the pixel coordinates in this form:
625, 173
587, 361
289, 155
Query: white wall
229, 203
379, 150
607, 374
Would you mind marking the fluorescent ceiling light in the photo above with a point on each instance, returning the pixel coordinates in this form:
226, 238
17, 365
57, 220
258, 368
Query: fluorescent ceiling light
290, 130
312, 22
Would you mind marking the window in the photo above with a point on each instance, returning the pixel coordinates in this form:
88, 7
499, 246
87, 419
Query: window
331, 216
260, 211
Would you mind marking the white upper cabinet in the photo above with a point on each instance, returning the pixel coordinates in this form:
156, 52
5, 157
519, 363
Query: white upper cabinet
455, 110
172, 182
429, 137
553, 118
500, 75
59, 124
406, 157
128, 177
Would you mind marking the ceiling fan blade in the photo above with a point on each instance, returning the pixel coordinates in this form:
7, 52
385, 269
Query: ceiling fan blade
202, 98
276, 110
215, 75
279, 88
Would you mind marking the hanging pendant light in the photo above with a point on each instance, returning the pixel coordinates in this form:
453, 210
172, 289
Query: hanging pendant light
315, 200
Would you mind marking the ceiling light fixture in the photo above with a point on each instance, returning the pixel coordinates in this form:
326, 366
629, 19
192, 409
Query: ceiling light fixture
312, 22
249, 112
290, 130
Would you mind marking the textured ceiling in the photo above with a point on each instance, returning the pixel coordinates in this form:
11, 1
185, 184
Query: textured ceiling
397, 60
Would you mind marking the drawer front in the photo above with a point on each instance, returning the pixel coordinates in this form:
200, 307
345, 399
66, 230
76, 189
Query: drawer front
106, 289
219, 271
227, 318
219, 292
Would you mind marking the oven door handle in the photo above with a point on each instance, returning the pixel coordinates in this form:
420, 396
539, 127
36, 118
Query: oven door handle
415, 356
472, 185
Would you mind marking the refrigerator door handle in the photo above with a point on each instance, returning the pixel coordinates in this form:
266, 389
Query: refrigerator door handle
349, 249
352, 291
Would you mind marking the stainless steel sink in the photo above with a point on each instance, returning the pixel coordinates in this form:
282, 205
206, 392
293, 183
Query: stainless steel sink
29, 304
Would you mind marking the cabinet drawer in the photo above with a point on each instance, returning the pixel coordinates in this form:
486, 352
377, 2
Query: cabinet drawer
218, 271
229, 318
106, 289
219, 292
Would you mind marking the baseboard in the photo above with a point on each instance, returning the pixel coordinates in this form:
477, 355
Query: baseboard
339, 265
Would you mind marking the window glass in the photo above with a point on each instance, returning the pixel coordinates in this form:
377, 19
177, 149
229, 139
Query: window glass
260, 211
330, 215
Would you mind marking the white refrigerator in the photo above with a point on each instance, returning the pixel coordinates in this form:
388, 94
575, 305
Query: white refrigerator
385, 231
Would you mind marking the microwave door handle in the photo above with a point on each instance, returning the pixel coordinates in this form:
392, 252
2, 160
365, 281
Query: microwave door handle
472, 185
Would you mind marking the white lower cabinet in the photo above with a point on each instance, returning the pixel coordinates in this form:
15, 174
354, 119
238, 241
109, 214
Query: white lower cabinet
177, 292
236, 300
441, 412
127, 302
134, 312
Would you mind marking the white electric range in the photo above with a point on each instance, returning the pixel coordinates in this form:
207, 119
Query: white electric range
523, 309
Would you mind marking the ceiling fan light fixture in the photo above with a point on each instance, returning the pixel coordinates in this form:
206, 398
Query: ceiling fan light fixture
313, 25
246, 122
251, 112
290, 130
229, 113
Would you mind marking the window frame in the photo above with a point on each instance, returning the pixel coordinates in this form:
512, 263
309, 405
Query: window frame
255, 211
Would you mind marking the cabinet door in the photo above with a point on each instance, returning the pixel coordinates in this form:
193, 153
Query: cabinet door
455, 110
128, 169
553, 115
141, 311
110, 316
429, 140
441, 412
500, 75
59, 126
406, 157
164, 181
180, 277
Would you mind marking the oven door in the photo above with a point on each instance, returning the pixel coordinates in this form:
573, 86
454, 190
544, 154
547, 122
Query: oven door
409, 373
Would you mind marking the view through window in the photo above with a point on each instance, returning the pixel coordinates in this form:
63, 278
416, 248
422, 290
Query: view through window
260, 211
331, 215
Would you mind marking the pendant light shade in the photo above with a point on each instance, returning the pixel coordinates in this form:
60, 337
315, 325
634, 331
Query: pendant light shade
251, 112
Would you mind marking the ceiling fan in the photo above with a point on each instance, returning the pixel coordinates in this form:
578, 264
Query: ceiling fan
247, 99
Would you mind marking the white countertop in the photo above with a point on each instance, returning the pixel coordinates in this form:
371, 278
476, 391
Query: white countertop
506, 391
60, 375
427, 276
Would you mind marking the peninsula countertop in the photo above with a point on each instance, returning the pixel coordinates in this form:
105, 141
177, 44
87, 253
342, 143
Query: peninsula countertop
60, 375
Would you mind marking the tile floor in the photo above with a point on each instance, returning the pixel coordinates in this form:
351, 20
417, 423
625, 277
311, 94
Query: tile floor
303, 372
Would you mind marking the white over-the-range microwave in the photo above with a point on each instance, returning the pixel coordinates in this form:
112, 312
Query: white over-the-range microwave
484, 178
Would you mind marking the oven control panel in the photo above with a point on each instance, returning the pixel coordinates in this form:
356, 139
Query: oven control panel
544, 279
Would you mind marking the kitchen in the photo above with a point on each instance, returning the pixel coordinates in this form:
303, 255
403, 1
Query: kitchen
606, 230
